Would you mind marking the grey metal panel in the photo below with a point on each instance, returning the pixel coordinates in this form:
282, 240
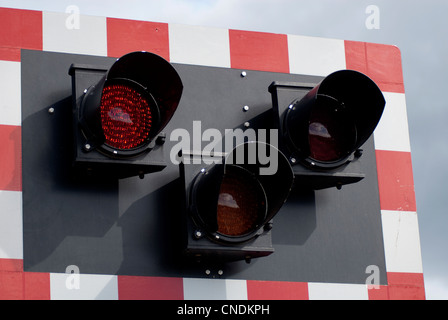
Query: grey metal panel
134, 226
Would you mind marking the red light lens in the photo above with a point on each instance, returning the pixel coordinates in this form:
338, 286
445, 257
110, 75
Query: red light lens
332, 133
241, 204
126, 117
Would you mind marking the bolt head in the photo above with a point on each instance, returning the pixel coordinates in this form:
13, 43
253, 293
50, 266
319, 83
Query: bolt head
197, 234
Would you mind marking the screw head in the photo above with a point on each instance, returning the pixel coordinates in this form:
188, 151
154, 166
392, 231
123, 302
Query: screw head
198, 234
268, 226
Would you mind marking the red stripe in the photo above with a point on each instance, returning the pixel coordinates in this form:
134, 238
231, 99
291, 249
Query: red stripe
259, 51
11, 285
21, 29
11, 265
150, 288
406, 286
395, 180
382, 293
10, 158
380, 62
10, 54
36, 286
124, 36
18, 285
277, 290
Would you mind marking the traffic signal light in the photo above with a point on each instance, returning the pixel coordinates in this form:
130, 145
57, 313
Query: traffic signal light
230, 204
324, 127
118, 114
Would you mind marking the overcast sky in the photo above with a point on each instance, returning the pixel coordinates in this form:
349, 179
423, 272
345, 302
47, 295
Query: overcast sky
418, 28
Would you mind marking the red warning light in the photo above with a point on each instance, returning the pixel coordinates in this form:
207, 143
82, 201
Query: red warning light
119, 114
126, 117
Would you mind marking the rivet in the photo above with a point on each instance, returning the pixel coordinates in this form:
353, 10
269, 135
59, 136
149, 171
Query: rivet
197, 234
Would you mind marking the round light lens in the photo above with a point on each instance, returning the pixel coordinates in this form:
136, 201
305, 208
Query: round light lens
332, 132
241, 204
126, 117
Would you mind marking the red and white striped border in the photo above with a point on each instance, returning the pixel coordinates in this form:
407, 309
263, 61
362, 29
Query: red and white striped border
222, 48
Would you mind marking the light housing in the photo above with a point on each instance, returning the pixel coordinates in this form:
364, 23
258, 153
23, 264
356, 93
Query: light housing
119, 113
230, 205
324, 127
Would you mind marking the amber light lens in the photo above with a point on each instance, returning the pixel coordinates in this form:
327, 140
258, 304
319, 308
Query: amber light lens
241, 204
332, 133
126, 117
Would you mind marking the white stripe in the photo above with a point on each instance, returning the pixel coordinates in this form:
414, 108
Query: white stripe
315, 56
401, 241
337, 291
199, 45
89, 38
65, 286
10, 93
11, 225
214, 289
392, 132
